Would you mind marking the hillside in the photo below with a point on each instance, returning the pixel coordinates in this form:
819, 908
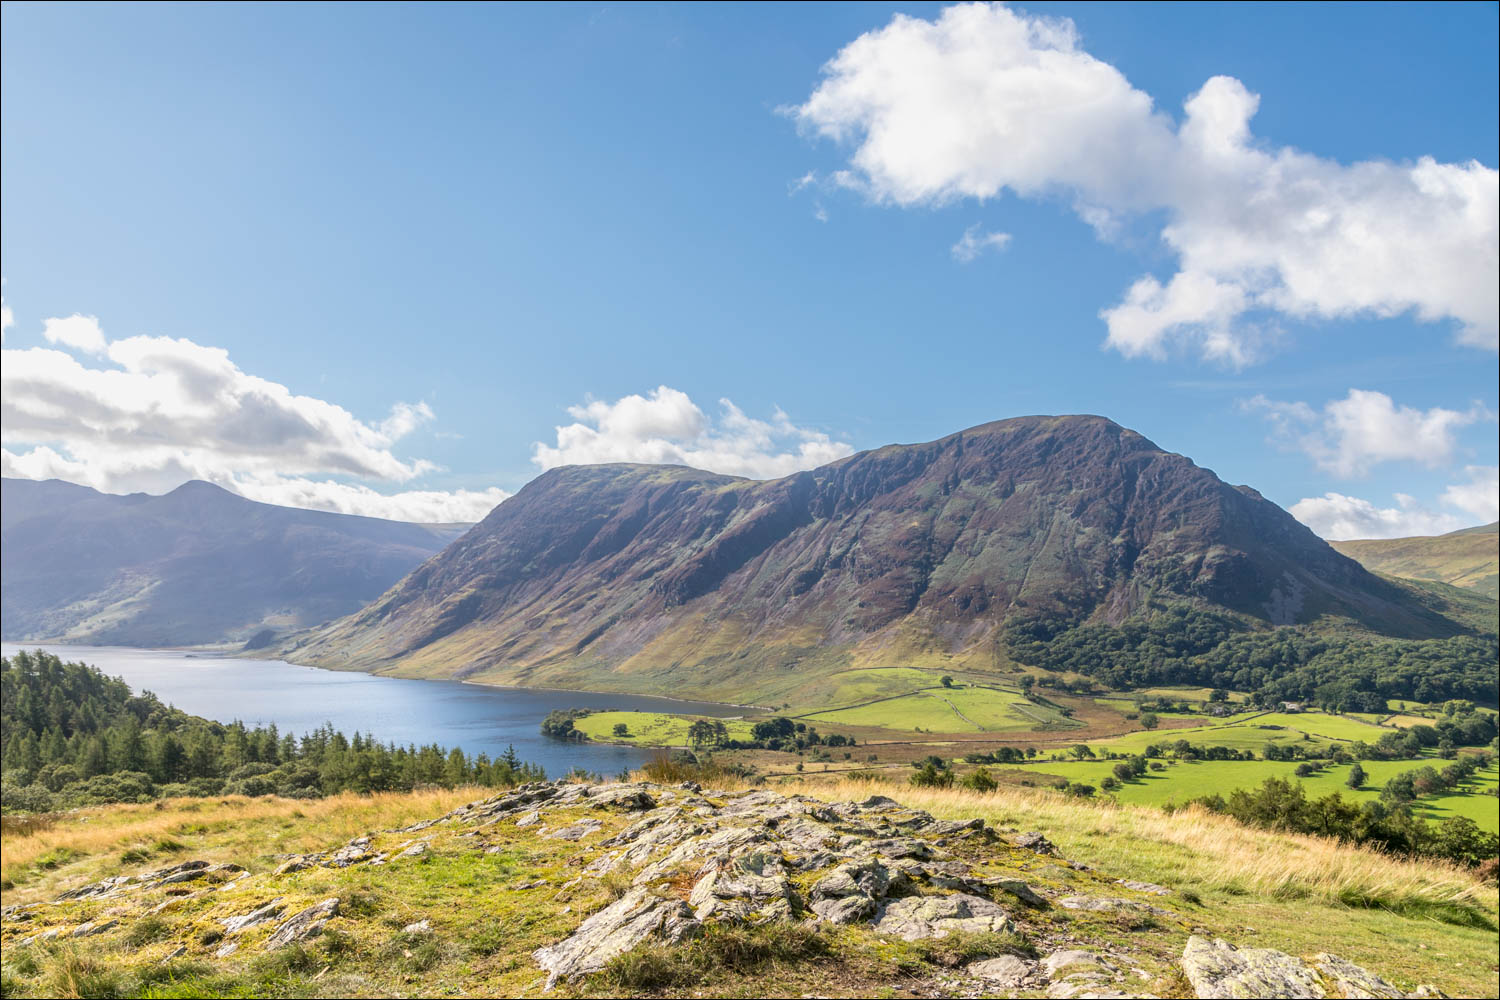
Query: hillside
197, 565
1469, 558
647, 889
629, 577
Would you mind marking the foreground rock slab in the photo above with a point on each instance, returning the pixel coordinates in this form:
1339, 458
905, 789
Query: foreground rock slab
1218, 970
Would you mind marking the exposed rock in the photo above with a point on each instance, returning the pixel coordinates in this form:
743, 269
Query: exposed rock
752, 888
1151, 888
636, 917
352, 853
262, 914
226, 949
624, 797
304, 924
91, 928
937, 916
1036, 842
530, 819
1056, 963
1108, 904
575, 831
420, 927
1006, 972
176, 952
415, 850
1220, 970
1349, 980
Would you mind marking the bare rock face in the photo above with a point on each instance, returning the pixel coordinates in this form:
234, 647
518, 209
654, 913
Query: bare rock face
1005, 972
637, 916
1220, 970
260, 915
937, 916
304, 924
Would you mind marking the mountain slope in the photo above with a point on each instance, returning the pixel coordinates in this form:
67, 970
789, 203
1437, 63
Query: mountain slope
670, 579
1469, 558
196, 565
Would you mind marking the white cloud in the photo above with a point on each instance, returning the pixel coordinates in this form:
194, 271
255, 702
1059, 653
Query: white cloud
984, 99
974, 242
668, 428
1336, 517
82, 333
1480, 496
1350, 436
149, 413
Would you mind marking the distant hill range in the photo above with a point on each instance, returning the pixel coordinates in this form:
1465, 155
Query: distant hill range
198, 565
1469, 558
672, 580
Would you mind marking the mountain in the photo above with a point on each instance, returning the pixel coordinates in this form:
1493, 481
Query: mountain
1469, 558
197, 565
671, 580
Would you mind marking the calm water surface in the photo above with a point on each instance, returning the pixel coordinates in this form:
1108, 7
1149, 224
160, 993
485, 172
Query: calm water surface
476, 717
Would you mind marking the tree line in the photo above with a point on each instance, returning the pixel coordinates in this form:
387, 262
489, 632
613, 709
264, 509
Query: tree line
1186, 645
74, 737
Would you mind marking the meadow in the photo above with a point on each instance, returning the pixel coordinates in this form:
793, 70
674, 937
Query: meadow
1182, 781
656, 729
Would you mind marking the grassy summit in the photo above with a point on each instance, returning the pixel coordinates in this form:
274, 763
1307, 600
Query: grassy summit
1468, 558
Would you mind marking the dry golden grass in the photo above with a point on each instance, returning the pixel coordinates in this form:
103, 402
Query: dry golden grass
1191, 846
241, 827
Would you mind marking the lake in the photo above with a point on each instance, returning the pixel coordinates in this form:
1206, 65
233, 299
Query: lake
477, 717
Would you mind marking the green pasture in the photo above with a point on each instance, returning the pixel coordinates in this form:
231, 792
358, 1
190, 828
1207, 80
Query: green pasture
1250, 731
1183, 694
655, 729
1182, 781
853, 687
959, 709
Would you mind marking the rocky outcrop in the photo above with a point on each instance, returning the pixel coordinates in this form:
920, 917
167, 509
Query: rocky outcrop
1217, 969
304, 924
682, 862
639, 916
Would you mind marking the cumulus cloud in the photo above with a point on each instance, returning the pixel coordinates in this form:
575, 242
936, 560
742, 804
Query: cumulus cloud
149, 413
975, 241
81, 333
1480, 496
668, 428
1336, 517
984, 99
1350, 436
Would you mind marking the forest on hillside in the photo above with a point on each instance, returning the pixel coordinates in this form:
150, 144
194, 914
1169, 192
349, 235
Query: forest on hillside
75, 737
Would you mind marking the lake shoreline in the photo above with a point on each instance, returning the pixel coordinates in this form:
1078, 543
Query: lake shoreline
236, 652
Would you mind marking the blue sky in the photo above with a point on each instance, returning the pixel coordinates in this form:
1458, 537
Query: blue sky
372, 258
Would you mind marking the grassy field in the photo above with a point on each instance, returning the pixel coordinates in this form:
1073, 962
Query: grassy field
1251, 731
1184, 694
1182, 781
959, 709
854, 687
656, 729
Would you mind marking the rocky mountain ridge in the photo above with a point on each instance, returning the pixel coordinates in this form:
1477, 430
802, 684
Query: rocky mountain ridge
662, 577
